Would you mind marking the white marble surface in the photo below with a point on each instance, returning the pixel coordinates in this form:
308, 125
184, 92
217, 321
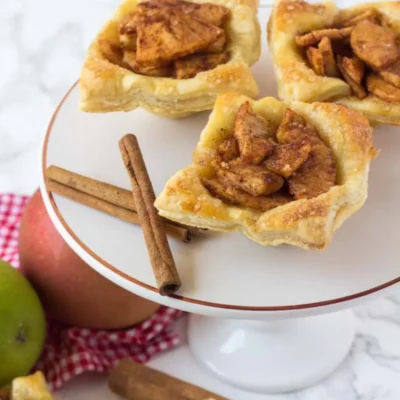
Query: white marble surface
43, 43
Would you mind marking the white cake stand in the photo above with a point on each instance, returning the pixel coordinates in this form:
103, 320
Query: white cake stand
265, 319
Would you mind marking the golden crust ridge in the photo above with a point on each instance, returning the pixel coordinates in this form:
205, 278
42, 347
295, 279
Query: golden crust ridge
105, 87
298, 82
306, 223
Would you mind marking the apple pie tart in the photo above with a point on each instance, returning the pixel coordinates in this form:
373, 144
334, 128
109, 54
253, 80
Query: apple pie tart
351, 56
280, 174
171, 57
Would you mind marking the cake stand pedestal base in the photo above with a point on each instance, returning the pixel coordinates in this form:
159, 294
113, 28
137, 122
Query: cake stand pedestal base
274, 356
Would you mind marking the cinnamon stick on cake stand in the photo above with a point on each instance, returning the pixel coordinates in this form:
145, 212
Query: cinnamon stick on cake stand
161, 258
104, 197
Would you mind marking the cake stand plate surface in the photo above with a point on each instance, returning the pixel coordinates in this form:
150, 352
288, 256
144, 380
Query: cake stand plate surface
225, 274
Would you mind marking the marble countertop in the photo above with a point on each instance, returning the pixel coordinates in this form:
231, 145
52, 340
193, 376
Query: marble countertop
43, 43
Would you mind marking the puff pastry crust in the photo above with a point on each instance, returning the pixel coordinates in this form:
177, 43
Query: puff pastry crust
297, 81
307, 223
106, 87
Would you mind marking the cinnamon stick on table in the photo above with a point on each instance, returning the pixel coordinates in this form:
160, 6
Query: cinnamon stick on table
104, 197
161, 258
137, 382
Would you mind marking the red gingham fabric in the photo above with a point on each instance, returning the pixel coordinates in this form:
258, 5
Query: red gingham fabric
71, 351
11, 208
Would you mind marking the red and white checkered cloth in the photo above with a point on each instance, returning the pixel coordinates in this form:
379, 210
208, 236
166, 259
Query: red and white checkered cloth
70, 351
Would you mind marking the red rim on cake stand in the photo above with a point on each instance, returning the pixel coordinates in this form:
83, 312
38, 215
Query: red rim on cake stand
264, 319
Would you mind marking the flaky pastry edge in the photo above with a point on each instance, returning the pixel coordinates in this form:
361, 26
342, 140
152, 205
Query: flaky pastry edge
297, 81
106, 87
305, 223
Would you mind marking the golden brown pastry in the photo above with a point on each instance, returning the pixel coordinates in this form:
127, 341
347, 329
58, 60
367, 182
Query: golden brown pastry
321, 53
171, 57
300, 192
31, 387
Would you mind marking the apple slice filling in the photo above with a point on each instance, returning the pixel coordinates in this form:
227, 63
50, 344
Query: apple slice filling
363, 50
261, 167
172, 38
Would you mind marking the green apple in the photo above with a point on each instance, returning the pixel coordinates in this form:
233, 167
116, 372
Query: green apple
22, 324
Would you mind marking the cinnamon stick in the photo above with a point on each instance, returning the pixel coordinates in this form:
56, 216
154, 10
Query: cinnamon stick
111, 194
161, 258
137, 382
108, 208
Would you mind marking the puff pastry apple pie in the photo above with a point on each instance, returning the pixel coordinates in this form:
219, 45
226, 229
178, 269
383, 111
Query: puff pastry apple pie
351, 56
279, 174
171, 57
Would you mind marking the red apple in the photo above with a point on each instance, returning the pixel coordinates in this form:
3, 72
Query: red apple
71, 291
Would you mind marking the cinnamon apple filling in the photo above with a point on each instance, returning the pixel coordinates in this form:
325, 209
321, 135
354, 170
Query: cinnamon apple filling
170, 38
262, 167
362, 50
